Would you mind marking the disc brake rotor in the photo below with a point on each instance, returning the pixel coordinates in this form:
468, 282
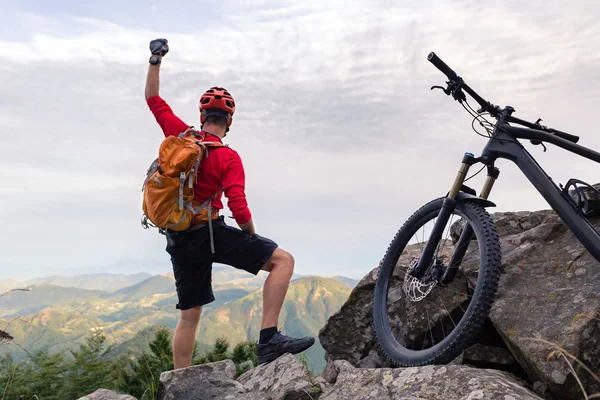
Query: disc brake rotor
415, 289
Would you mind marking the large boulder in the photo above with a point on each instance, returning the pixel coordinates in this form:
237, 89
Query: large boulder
428, 382
207, 381
549, 290
105, 394
284, 378
349, 334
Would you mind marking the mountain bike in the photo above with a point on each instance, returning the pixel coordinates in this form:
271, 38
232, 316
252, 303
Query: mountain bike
438, 279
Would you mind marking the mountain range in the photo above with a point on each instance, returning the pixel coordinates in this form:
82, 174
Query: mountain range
57, 313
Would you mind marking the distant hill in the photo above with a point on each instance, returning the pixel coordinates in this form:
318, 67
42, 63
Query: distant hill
156, 284
348, 281
38, 297
228, 275
102, 281
7, 284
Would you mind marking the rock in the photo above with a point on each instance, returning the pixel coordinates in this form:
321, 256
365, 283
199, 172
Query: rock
428, 382
284, 378
549, 289
333, 368
490, 356
348, 334
543, 296
104, 394
207, 381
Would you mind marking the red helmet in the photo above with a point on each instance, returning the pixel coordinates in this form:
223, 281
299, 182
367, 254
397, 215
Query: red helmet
216, 100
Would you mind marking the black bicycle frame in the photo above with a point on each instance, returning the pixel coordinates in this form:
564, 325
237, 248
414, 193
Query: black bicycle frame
503, 144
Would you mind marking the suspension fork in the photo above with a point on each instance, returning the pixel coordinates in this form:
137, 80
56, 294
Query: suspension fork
467, 233
448, 208
442, 219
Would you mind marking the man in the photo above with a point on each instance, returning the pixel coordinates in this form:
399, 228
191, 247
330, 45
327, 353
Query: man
191, 251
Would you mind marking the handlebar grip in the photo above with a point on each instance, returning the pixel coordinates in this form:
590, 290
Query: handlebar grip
435, 60
566, 136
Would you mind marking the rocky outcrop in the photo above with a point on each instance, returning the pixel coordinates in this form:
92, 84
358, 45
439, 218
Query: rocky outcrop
284, 378
549, 289
428, 382
287, 379
104, 394
208, 381
349, 334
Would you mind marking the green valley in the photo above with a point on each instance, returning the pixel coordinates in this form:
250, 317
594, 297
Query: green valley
56, 318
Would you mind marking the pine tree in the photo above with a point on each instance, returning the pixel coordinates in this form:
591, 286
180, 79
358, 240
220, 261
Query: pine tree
88, 371
244, 356
142, 380
218, 353
47, 375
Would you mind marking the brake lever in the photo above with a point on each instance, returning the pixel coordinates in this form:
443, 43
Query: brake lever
446, 90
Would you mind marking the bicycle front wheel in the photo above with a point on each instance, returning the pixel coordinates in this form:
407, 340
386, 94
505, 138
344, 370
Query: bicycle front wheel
431, 320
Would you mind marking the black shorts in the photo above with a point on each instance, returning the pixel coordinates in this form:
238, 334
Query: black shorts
192, 259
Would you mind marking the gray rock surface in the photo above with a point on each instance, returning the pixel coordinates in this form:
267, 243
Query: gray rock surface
104, 394
423, 383
349, 334
550, 290
285, 378
207, 381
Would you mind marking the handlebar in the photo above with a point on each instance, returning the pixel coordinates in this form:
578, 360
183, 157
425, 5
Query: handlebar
457, 83
442, 66
560, 134
565, 135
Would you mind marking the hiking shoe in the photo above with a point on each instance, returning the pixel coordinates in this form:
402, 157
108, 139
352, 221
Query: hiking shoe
281, 344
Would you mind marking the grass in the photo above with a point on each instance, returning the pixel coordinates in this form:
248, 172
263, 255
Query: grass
569, 359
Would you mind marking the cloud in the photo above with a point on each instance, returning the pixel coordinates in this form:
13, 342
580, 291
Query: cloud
340, 135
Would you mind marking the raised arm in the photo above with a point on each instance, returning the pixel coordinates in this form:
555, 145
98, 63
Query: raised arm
159, 48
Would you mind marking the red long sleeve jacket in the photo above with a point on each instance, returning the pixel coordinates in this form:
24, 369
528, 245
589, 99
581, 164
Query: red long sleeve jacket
220, 173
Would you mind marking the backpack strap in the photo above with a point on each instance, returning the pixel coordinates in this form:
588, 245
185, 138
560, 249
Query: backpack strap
207, 204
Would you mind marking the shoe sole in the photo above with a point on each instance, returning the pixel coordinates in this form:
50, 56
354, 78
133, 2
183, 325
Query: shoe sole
294, 350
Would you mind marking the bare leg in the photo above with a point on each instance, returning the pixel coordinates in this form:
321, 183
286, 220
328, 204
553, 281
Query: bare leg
184, 338
280, 267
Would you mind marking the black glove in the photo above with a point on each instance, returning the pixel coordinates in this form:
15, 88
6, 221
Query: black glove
159, 47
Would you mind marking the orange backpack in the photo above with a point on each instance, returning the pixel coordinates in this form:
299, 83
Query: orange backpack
168, 201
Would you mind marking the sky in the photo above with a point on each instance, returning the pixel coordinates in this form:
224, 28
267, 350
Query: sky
340, 135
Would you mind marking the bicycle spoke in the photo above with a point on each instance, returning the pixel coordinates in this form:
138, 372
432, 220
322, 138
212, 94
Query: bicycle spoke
449, 315
429, 326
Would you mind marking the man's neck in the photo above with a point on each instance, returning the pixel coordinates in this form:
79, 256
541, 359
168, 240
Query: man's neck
215, 131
